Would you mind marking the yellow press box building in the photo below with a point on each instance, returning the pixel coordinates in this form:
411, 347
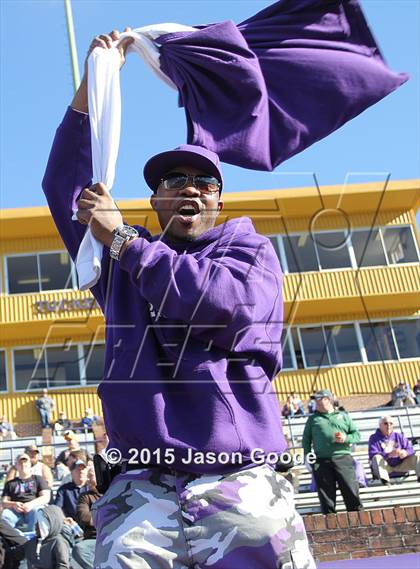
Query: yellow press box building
350, 255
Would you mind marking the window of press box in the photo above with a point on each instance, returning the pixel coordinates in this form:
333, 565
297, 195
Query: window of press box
39, 272
292, 353
3, 378
332, 249
378, 341
407, 337
300, 253
275, 242
343, 346
287, 353
35, 368
330, 345
335, 344
399, 244
368, 248
314, 346
320, 250
94, 357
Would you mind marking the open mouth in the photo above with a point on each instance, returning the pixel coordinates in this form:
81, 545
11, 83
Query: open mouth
188, 212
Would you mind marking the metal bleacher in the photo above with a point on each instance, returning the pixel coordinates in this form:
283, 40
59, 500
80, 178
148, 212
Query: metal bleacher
407, 420
86, 440
9, 450
403, 491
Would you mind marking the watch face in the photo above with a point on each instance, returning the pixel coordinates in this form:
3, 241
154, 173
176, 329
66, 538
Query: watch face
127, 231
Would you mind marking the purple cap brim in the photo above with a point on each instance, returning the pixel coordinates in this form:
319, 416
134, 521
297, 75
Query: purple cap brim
187, 155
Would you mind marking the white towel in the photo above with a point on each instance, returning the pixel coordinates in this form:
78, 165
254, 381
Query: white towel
104, 102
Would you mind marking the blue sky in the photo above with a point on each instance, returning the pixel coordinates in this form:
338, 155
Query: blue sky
36, 87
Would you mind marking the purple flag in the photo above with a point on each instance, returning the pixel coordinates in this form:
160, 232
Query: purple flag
259, 92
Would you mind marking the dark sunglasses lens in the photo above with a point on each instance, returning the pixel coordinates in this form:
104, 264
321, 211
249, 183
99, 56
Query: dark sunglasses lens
175, 182
203, 183
208, 183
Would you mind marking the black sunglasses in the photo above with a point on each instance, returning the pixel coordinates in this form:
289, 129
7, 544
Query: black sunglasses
177, 181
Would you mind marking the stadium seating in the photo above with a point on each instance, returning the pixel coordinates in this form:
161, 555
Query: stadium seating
404, 491
407, 421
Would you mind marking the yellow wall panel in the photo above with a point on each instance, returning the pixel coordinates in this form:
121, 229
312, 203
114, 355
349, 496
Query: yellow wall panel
375, 378
29, 244
20, 407
289, 225
341, 290
17, 308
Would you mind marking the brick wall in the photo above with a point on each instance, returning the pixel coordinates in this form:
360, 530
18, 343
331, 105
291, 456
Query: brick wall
362, 402
352, 535
28, 429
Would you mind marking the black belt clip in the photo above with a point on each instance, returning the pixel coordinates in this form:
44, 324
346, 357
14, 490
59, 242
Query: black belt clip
104, 472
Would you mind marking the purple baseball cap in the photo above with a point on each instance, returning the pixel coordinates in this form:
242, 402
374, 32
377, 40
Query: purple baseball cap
184, 155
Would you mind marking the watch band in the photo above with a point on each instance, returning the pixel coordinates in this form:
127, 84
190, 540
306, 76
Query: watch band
122, 234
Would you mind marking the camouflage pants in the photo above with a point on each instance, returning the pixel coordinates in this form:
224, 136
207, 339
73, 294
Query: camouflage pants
151, 519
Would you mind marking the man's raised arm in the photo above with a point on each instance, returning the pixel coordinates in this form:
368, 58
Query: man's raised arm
69, 171
69, 168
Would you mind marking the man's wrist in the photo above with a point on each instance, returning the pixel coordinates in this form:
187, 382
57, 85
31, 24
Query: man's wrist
107, 241
125, 246
122, 235
80, 99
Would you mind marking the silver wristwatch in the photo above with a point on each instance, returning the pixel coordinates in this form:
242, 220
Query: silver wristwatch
122, 233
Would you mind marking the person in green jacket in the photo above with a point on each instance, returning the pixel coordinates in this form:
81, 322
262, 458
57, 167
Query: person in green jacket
331, 434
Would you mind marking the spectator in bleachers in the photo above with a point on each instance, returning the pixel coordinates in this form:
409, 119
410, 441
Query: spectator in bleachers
292, 408
62, 423
62, 472
88, 420
23, 495
402, 395
7, 432
37, 466
45, 406
80, 454
361, 477
60, 465
68, 494
51, 548
297, 400
311, 405
391, 452
84, 551
102, 443
416, 391
331, 434
3, 471
12, 543
72, 445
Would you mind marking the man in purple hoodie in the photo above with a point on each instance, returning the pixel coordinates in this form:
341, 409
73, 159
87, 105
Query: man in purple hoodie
194, 320
391, 452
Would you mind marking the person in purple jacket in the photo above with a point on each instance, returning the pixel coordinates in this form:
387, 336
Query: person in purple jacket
391, 452
194, 321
